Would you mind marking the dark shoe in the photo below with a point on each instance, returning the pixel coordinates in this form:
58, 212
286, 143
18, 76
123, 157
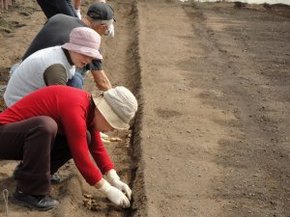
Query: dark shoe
42, 203
55, 179
16, 171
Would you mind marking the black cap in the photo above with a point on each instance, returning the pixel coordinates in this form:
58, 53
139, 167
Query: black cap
100, 11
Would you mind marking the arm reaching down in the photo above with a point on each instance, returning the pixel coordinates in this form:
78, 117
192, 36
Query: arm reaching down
102, 81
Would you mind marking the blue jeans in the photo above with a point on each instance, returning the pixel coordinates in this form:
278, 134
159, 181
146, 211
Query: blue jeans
76, 81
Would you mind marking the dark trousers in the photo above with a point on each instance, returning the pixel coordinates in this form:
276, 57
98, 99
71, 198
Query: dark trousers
42, 151
53, 7
60, 153
76, 81
31, 142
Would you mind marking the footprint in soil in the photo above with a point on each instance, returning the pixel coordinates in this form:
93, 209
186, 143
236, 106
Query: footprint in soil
25, 13
5, 30
8, 27
16, 24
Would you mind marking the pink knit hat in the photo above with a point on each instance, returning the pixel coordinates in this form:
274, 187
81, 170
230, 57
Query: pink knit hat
85, 41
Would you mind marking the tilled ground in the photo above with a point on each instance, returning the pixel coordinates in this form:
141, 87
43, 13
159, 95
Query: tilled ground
211, 135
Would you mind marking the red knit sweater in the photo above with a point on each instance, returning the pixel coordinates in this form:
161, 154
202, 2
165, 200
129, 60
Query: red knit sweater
74, 114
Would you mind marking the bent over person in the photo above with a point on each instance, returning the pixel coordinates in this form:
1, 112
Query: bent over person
54, 124
56, 31
53, 65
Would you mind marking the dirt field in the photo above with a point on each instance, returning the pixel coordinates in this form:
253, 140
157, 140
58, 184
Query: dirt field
211, 138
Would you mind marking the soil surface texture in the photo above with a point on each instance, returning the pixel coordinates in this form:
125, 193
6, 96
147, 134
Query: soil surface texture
212, 134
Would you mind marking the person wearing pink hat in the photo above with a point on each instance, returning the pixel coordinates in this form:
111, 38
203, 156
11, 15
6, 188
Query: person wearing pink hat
48, 127
54, 65
99, 17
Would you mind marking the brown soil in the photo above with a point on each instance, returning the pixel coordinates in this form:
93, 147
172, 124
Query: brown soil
211, 137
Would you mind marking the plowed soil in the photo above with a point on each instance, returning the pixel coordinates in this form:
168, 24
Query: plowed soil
211, 137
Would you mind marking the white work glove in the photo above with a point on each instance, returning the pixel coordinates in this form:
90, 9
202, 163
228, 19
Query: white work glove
114, 179
115, 195
78, 12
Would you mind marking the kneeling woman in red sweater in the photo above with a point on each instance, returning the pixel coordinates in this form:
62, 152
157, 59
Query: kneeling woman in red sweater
54, 124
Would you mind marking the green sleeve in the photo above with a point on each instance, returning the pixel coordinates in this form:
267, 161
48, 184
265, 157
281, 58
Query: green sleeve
55, 75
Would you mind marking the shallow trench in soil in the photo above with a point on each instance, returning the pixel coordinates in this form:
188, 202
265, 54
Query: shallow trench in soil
122, 65
212, 80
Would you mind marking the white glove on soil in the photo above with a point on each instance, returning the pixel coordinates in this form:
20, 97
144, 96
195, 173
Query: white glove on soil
78, 12
115, 195
114, 179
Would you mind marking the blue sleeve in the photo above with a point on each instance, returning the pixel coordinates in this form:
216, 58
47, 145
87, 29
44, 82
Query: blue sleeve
95, 65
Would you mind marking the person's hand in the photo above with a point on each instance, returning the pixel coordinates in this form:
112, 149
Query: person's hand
114, 180
78, 12
116, 196
122, 187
